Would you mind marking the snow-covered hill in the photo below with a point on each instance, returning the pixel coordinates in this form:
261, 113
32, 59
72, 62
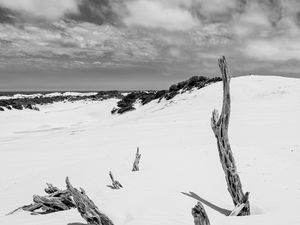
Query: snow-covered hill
84, 141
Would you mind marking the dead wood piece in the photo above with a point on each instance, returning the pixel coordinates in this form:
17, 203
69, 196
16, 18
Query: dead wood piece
32, 207
115, 184
219, 125
50, 189
86, 207
65, 197
56, 200
51, 203
136, 161
236, 211
60, 193
199, 214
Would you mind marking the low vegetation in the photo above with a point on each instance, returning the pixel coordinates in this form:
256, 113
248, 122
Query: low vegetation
125, 104
143, 97
31, 103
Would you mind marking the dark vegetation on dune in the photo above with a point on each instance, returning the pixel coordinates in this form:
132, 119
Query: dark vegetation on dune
30, 103
125, 104
144, 97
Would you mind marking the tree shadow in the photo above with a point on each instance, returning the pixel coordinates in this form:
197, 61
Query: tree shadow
225, 212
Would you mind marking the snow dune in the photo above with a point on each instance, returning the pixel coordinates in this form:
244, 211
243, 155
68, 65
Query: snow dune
84, 141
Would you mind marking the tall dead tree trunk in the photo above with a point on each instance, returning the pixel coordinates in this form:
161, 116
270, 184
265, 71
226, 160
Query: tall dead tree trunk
219, 125
136, 161
199, 214
86, 207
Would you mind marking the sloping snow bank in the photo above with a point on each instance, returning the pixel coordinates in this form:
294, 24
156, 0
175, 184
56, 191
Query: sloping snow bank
84, 141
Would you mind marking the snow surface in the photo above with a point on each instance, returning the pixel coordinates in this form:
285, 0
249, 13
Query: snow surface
84, 141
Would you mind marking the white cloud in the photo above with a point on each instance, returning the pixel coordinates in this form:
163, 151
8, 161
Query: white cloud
253, 21
278, 49
157, 14
67, 42
48, 9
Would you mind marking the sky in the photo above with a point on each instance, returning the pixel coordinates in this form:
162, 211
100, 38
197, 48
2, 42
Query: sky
143, 44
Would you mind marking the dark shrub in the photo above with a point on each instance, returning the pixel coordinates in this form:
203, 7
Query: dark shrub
214, 79
181, 84
160, 94
147, 97
28, 106
171, 95
192, 81
126, 109
173, 88
202, 79
126, 103
114, 110
122, 104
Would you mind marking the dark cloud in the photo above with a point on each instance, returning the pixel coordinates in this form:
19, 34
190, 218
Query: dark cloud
97, 12
6, 16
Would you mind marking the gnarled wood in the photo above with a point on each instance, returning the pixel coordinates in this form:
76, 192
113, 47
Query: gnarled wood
219, 125
86, 207
199, 214
56, 200
50, 203
115, 184
136, 161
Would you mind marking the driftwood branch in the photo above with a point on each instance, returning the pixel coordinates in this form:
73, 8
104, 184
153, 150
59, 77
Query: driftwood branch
86, 207
219, 125
56, 200
136, 161
115, 184
199, 214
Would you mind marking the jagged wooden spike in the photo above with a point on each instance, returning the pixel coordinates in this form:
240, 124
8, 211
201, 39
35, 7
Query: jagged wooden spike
219, 125
115, 184
199, 214
136, 161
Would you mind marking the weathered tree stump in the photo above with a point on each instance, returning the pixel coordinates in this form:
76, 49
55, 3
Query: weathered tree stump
136, 161
115, 184
199, 214
86, 207
219, 125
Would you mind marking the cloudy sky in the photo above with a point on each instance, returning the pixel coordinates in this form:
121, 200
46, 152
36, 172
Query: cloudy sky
142, 44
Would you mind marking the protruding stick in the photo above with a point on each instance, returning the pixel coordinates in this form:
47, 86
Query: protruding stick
115, 184
199, 214
136, 161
